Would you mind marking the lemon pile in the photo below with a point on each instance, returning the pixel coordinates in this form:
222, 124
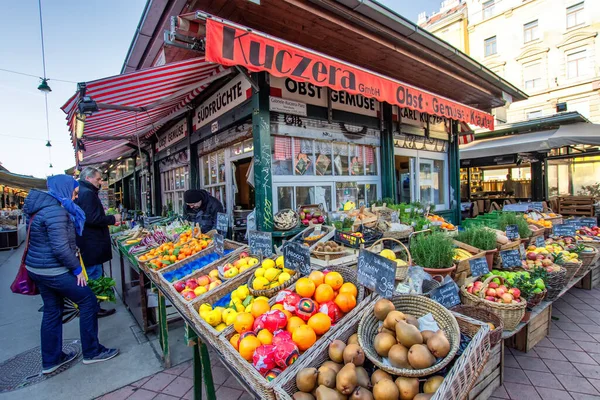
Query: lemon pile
221, 317
271, 274
390, 255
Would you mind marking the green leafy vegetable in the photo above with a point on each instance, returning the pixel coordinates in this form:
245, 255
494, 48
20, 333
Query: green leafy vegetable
432, 251
103, 288
509, 218
479, 237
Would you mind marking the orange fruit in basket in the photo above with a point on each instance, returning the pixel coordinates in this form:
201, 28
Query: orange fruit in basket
235, 339
305, 287
349, 288
277, 307
304, 337
317, 277
320, 323
243, 322
287, 314
247, 347
293, 323
334, 279
324, 293
259, 307
345, 301
265, 336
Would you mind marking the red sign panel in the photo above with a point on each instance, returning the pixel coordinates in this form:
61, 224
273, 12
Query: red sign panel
230, 45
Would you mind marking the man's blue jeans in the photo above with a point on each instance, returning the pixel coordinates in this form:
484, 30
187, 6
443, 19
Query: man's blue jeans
53, 290
94, 271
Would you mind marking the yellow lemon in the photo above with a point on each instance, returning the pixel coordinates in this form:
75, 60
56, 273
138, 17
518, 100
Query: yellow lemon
248, 308
284, 277
260, 283
205, 307
260, 272
279, 261
262, 298
243, 292
231, 317
220, 327
268, 263
288, 271
239, 307
272, 274
387, 253
214, 317
204, 314
226, 312
234, 295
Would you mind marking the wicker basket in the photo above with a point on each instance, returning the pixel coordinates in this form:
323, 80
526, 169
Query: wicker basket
328, 255
457, 383
265, 388
588, 258
572, 268
401, 272
511, 314
273, 291
485, 315
428, 286
291, 226
416, 306
590, 243
555, 283
536, 299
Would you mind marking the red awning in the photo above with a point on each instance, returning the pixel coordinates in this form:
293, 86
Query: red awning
157, 95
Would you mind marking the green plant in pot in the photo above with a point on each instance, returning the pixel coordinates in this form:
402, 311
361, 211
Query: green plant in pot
481, 238
433, 252
509, 218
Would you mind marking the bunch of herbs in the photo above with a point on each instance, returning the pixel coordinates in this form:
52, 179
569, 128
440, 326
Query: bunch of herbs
478, 237
434, 251
509, 218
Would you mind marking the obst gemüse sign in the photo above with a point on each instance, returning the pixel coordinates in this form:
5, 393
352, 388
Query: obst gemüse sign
231, 45
173, 135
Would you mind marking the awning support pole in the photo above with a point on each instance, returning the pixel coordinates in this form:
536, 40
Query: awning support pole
252, 81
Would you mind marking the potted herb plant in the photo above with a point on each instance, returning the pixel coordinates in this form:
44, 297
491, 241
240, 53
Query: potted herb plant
509, 218
434, 252
481, 238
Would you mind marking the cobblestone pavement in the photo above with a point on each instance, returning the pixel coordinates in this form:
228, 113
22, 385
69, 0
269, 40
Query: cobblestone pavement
565, 365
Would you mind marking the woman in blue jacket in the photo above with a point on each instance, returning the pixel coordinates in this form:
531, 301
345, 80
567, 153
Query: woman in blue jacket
53, 264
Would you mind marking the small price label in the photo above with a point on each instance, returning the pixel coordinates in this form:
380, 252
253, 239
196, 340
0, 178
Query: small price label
512, 232
260, 243
376, 273
222, 222
297, 257
510, 258
563, 230
447, 295
479, 266
219, 245
540, 241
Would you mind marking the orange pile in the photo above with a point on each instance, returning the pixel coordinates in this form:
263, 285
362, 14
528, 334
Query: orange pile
169, 253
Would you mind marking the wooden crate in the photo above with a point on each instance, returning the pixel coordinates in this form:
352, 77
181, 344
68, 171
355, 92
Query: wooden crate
533, 332
590, 281
576, 205
491, 377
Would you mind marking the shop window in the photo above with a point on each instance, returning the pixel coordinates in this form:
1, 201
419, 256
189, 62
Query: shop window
340, 159
370, 160
214, 175
303, 157
432, 181
323, 163
488, 9
577, 64
575, 16
285, 197
281, 157
532, 75
490, 46
248, 146
530, 31
174, 183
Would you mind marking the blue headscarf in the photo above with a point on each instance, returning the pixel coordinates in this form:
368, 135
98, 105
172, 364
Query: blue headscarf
61, 188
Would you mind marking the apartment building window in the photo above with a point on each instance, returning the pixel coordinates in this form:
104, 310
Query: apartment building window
532, 75
490, 46
534, 114
577, 64
530, 31
575, 15
488, 9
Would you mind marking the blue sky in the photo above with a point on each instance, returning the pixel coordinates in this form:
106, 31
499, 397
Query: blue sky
84, 40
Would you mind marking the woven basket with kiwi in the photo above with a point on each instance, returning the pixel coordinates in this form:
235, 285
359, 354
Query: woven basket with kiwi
328, 250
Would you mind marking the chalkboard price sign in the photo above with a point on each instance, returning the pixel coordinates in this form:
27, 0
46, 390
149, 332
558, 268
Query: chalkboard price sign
296, 256
510, 258
563, 230
219, 246
589, 222
512, 232
222, 222
376, 273
479, 266
517, 207
261, 243
537, 206
446, 295
540, 241
573, 222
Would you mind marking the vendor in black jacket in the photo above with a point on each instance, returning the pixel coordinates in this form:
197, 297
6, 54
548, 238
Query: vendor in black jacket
202, 208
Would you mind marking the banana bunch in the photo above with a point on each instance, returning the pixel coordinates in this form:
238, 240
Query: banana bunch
461, 254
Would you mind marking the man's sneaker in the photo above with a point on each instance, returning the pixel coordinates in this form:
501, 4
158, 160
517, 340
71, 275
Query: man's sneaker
104, 355
105, 313
65, 358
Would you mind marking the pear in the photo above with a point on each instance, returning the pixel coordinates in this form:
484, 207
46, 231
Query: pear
420, 357
336, 351
306, 379
413, 321
378, 375
427, 335
439, 345
353, 339
432, 384
325, 393
330, 364
362, 377
382, 308
360, 393
383, 342
303, 396
398, 356
385, 390
408, 387
327, 377
354, 354
383, 329
392, 318
407, 334
346, 379
423, 396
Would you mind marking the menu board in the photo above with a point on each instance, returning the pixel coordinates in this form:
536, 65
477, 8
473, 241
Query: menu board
376, 273
563, 230
479, 266
297, 257
512, 232
260, 243
447, 295
510, 258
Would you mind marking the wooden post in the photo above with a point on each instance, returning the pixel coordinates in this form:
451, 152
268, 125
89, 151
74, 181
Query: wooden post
388, 165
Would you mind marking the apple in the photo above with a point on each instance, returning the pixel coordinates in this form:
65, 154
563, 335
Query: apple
191, 284
507, 298
214, 284
203, 280
305, 221
470, 289
227, 267
539, 257
531, 255
500, 292
515, 292
321, 219
200, 290
503, 287
244, 254
179, 286
491, 292
490, 298
493, 285
190, 295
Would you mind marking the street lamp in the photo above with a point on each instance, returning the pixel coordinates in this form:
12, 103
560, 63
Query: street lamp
48, 144
43, 87
80, 124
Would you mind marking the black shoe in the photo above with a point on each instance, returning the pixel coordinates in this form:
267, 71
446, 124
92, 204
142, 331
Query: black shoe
64, 359
105, 313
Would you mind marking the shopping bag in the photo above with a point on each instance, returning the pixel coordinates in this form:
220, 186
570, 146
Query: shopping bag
23, 284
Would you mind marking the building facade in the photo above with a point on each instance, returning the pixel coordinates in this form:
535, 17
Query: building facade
548, 48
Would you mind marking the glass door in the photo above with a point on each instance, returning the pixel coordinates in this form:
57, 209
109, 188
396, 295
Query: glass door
405, 178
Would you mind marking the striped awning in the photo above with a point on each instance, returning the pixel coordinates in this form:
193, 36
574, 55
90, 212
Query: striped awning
153, 96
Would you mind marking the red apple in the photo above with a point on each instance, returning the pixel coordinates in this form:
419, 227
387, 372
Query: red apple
179, 286
507, 298
515, 292
493, 285
491, 292
203, 280
531, 255
191, 284
189, 295
490, 298
470, 289
500, 292
244, 254
540, 257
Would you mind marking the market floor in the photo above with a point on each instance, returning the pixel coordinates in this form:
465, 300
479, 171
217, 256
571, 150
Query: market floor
565, 365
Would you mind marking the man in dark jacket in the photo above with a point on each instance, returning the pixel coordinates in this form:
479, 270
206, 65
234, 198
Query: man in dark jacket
95, 242
202, 208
